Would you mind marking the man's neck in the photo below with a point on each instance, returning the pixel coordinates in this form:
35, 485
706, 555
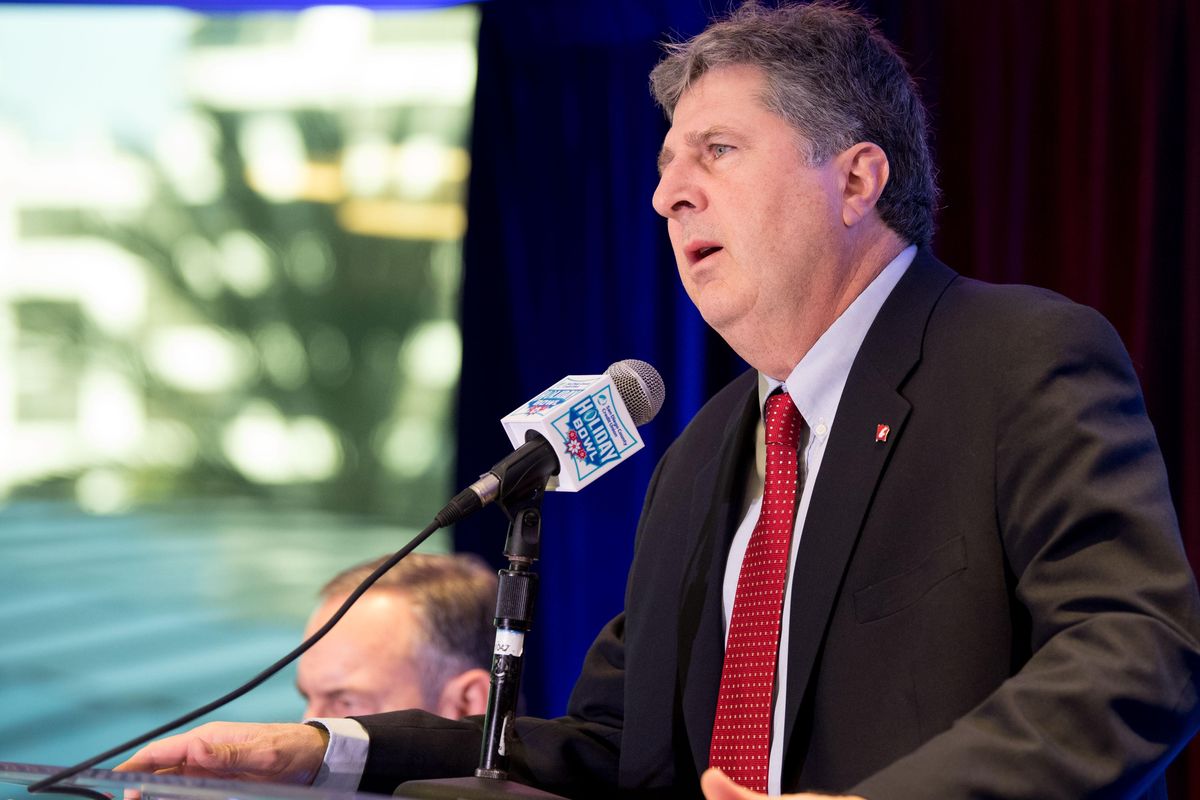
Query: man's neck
777, 352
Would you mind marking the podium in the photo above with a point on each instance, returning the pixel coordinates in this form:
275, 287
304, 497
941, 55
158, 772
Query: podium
15, 777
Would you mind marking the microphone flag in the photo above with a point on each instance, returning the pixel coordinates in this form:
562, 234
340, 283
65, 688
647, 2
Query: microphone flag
586, 422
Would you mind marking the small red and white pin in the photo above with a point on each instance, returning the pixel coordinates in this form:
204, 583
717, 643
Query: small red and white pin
881, 432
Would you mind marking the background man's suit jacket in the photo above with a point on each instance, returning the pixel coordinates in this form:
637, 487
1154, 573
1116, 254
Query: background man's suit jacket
993, 602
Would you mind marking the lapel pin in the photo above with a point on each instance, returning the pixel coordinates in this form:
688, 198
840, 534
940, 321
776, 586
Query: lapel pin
881, 432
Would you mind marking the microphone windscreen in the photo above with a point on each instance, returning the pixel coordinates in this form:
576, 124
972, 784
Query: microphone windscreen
640, 386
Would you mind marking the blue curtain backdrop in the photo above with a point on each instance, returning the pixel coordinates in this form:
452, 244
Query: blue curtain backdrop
568, 269
1067, 140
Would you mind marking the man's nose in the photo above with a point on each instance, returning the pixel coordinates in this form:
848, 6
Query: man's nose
677, 191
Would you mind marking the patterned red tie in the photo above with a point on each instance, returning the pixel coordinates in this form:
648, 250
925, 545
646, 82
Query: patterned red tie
741, 737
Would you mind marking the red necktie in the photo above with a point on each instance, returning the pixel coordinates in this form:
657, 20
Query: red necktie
741, 737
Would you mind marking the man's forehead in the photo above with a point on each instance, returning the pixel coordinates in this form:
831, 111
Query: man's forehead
718, 100
720, 86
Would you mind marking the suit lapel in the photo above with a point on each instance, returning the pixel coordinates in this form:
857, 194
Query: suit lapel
852, 465
701, 626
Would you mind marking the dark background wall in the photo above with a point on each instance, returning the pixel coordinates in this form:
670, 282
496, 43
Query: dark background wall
1067, 138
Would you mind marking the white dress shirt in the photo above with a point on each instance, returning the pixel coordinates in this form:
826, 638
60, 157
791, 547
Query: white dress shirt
815, 386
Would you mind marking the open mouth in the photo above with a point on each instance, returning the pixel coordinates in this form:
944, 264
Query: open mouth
699, 253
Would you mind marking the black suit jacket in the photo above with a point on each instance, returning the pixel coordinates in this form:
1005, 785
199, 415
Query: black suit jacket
993, 602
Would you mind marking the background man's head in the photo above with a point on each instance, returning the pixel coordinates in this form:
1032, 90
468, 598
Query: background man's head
421, 637
836, 80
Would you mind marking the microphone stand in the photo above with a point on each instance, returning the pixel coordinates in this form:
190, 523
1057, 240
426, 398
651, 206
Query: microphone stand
514, 615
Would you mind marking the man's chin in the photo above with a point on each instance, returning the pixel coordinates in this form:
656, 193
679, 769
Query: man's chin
721, 315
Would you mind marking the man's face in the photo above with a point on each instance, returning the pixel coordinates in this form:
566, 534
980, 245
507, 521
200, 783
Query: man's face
365, 664
752, 225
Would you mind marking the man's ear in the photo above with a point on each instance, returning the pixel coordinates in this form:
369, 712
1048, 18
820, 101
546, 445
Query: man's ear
465, 695
866, 170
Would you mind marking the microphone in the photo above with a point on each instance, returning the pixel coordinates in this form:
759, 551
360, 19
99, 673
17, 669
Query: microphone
567, 436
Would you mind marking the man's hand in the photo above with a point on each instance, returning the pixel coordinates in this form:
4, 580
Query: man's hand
244, 751
718, 786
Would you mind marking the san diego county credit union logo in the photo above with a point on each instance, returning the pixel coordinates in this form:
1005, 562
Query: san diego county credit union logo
555, 396
593, 433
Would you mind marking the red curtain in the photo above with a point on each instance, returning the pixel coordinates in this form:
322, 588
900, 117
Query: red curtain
1067, 134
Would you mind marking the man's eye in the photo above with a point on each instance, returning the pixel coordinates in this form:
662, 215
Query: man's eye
719, 150
347, 705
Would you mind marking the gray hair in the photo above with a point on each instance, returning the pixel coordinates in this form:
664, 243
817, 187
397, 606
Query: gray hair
453, 597
836, 80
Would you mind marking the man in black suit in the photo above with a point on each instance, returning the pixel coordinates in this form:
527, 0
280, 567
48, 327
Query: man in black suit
984, 592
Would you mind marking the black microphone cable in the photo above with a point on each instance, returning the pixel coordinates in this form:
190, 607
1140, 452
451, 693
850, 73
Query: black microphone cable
49, 783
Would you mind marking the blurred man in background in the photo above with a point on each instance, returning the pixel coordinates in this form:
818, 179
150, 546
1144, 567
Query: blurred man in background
421, 637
